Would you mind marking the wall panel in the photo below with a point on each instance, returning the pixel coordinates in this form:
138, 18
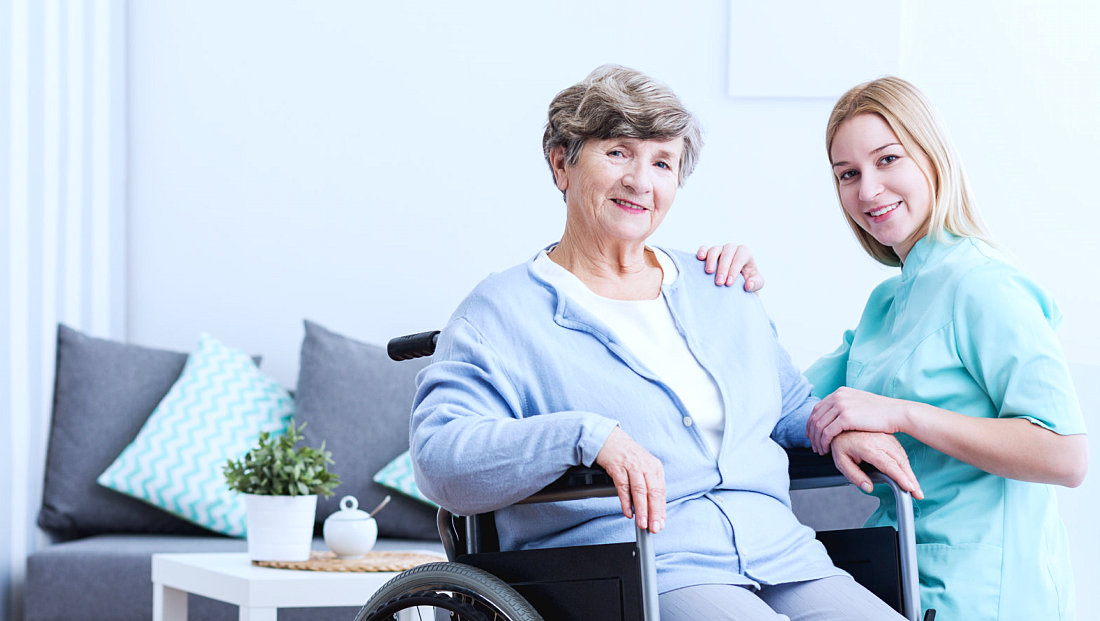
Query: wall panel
63, 223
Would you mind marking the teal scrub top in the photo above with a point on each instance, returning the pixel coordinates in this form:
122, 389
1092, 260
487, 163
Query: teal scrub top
963, 330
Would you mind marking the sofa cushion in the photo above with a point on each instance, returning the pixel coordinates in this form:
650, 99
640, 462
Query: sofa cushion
66, 580
358, 402
103, 392
81, 566
214, 412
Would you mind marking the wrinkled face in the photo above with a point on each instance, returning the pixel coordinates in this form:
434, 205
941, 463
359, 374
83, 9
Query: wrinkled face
882, 187
620, 189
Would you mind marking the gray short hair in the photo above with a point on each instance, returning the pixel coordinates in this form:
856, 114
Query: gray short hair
617, 102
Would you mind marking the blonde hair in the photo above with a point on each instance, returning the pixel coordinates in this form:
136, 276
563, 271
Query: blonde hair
913, 120
617, 102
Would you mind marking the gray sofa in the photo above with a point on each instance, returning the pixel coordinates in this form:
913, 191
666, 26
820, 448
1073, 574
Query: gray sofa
98, 564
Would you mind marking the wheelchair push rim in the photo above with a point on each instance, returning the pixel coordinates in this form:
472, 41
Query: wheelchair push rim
467, 593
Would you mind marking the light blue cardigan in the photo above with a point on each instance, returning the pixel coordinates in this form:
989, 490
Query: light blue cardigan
525, 384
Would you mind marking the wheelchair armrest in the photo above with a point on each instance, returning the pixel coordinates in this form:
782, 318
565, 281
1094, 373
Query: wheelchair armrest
478, 533
577, 482
805, 467
808, 470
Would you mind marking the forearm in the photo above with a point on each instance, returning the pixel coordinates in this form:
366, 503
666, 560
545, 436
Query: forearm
790, 431
1013, 448
476, 463
476, 443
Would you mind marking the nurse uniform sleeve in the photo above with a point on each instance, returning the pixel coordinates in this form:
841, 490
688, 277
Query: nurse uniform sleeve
831, 370
1005, 336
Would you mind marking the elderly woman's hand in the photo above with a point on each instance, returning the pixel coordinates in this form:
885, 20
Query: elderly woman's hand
729, 260
639, 479
881, 450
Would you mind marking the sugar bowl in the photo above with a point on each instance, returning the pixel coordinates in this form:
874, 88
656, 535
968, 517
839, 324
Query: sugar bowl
350, 532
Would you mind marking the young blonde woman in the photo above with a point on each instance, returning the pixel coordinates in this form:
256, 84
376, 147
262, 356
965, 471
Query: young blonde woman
957, 357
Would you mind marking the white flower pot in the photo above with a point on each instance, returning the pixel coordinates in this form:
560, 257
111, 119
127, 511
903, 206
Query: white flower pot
280, 528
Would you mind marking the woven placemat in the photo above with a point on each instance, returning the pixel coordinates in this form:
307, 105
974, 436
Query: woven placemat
371, 561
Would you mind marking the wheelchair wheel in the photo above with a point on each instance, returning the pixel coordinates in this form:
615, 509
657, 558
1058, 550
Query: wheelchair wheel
463, 592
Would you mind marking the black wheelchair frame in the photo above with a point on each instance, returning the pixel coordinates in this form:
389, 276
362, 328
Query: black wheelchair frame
617, 580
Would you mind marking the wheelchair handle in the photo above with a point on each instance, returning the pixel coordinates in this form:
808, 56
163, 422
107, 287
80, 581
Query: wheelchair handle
412, 345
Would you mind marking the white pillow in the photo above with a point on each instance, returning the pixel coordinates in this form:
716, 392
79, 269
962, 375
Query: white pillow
215, 411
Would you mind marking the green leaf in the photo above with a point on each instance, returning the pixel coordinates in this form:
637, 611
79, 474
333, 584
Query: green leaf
275, 467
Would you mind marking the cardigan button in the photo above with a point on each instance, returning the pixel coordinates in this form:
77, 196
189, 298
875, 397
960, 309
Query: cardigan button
687, 421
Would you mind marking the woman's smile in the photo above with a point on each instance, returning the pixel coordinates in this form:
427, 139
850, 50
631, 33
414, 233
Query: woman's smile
877, 215
630, 206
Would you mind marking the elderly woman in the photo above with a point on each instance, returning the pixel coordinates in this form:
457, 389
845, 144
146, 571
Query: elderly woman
601, 349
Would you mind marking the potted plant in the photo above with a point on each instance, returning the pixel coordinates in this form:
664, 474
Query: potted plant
280, 483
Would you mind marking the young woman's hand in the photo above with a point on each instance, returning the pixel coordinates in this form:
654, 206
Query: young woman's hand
639, 479
850, 409
729, 260
881, 450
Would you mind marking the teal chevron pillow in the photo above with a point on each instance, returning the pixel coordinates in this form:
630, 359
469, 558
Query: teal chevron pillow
215, 411
398, 475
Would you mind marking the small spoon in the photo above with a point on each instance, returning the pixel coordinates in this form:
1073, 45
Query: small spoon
385, 501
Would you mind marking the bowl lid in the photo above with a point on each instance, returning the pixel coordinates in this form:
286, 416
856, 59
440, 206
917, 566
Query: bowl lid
349, 510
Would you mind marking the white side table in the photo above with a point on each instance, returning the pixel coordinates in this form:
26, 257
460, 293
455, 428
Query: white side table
258, 591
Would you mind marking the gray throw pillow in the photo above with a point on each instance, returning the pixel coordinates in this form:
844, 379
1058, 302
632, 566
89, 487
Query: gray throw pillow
103, 392
358, 402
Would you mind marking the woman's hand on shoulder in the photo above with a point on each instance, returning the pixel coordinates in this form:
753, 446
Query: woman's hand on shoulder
851, 409
639, 479
881, 450
729, 260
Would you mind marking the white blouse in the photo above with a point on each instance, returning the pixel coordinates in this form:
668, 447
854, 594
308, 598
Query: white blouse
647, 330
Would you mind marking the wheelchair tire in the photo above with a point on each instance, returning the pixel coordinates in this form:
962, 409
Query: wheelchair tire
468, 593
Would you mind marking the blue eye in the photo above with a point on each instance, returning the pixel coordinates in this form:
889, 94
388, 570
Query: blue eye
846, 175
615, 153
888, 159
664, 165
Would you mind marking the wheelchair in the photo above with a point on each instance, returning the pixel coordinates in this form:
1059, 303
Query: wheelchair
479, 582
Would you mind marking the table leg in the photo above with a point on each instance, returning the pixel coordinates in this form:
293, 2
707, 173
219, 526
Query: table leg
258, 614
169, 604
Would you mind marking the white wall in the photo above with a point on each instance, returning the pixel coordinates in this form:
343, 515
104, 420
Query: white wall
364, 164
365, 168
